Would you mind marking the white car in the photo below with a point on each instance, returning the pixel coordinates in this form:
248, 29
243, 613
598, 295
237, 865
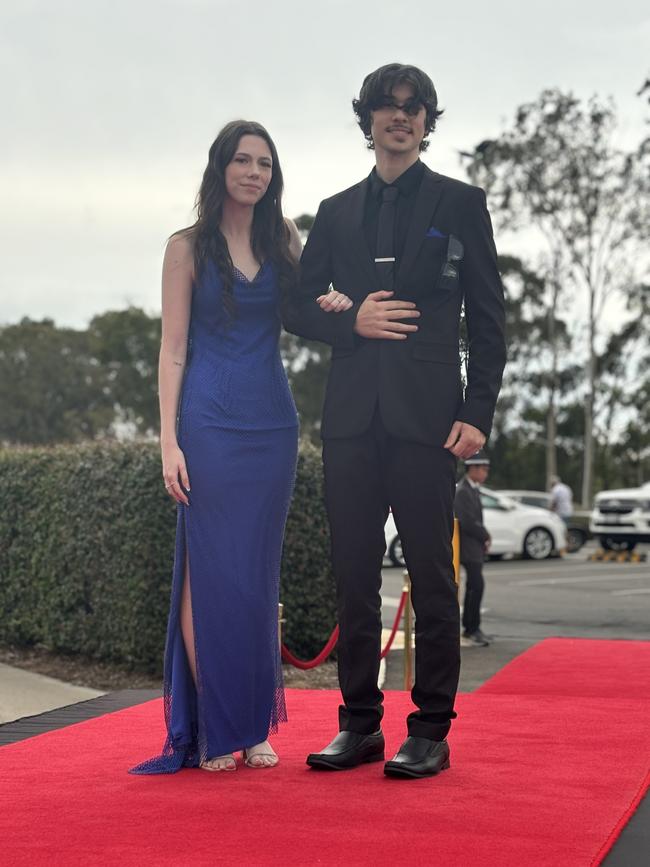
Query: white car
516, 530
577, 525
621, 518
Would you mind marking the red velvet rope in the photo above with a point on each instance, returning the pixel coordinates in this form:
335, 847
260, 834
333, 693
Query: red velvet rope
400, 611
288, 656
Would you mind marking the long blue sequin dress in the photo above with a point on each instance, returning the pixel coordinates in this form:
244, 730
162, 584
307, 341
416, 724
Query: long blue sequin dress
238, 430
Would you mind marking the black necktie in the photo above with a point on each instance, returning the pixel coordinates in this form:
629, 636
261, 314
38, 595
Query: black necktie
385, 254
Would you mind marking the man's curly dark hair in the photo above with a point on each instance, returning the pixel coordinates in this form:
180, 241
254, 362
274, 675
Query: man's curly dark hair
380, 83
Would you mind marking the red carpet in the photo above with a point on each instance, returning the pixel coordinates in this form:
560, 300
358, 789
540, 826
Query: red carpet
542, 774
577, 667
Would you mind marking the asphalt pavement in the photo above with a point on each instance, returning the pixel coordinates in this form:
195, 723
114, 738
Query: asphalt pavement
526, 601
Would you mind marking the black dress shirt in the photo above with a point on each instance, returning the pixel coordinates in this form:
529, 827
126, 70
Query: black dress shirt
408, 184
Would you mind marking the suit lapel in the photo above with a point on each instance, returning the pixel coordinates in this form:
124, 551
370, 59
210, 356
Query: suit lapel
426, 203
357, 235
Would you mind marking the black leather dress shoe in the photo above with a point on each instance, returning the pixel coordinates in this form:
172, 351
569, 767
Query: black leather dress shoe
418, 757
347, 750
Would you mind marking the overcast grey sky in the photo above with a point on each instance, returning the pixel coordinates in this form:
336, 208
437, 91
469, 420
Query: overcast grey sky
109, 107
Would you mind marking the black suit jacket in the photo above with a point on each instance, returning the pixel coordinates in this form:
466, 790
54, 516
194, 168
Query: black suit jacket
469, 511
416, 381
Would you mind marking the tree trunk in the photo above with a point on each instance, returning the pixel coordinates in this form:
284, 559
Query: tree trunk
551, 417
588, 457
551, 433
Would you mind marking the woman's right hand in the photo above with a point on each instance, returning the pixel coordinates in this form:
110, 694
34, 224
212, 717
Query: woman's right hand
334, 302
175, 473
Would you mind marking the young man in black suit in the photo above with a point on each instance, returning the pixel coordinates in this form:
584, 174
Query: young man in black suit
409, 247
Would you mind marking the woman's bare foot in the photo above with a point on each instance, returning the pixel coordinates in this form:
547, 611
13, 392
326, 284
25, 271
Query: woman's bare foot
220, 763
261, 756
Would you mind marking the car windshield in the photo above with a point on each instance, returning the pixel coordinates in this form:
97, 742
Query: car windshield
528, 498
491, 500
542, 502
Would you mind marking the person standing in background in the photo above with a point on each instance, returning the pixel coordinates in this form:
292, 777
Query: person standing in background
561, 499
474, 544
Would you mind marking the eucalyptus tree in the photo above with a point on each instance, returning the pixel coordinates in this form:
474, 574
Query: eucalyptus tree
557, 174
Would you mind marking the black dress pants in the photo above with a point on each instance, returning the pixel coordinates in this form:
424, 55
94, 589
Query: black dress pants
364, 476
474, 587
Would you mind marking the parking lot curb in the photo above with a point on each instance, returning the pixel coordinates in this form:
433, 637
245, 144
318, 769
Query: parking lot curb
618, 556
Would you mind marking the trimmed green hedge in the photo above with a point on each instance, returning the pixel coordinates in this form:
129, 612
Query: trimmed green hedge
86, 553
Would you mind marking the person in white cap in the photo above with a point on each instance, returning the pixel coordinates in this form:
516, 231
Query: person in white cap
474, 543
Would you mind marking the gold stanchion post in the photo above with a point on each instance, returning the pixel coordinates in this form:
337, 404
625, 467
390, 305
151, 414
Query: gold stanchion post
408, 633
455, 546
280, 622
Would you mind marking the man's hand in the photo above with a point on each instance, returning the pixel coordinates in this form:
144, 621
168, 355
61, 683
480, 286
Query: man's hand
378, 317
488, 544
464, 440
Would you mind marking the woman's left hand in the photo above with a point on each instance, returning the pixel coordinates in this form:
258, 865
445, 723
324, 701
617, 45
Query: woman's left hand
334, 302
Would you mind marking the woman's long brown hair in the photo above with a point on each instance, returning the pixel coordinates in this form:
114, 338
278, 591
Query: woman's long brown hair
269, 235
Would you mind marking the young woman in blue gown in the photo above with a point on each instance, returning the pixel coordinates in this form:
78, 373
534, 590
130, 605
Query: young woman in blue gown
229, 435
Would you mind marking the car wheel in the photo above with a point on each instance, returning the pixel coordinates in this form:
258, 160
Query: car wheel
575, 539
538, 544
613, 543
395, 552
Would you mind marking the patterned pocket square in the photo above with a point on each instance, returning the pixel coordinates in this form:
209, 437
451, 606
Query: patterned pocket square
434, 233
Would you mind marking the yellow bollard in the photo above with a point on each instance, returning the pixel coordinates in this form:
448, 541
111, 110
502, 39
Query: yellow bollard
408, 633
455, 547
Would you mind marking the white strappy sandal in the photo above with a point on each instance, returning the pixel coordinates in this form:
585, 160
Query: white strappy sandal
262, 755
231, 763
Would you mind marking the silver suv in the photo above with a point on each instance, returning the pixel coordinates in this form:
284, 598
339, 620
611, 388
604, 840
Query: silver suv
620, 519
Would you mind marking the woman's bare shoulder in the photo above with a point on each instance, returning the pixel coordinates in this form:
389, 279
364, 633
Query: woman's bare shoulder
180, 244
179, 252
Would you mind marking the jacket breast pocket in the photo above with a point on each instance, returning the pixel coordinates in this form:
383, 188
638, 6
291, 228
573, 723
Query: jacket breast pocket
440, 353
447, 280
432, 255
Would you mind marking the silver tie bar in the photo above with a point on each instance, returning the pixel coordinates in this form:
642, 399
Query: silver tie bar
386, 259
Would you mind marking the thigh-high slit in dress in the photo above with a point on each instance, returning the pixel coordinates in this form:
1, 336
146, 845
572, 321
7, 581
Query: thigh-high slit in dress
238, 430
